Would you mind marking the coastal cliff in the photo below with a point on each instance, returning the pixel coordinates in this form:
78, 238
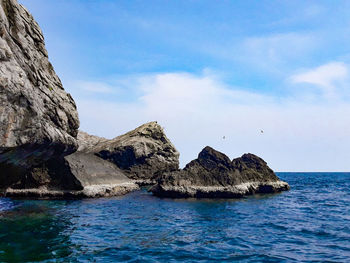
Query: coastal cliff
39, 122
42, 153
38, 119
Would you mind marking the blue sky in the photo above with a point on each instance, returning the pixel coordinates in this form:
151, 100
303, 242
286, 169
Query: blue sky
208, 69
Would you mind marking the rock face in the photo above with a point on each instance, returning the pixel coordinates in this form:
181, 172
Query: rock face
214, 175
103, 167
39, 125
38, 119
76, 175
142, 153
39, 122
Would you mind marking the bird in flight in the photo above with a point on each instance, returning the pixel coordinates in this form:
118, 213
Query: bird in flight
261, 131
224, 137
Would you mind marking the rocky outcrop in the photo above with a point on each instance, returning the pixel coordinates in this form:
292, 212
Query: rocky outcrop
214, 175
76, 175
103, 167
142, 153
39, 125
39, 122
38, 119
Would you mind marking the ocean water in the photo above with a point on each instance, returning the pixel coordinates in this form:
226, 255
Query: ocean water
310, 223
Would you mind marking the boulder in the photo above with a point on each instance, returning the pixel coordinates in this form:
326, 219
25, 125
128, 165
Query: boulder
76, 175
214, 175
38, 119
142, 153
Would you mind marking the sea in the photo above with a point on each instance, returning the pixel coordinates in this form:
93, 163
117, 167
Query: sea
309, 223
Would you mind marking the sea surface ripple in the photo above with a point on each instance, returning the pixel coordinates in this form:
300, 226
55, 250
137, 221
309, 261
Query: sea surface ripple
310, 223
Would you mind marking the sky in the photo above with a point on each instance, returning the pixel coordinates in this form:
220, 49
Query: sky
211, 73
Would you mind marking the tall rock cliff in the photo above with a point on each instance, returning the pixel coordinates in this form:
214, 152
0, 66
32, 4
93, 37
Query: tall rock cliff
38, 119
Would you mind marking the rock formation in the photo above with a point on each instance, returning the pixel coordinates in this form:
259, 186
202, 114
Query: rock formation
103, 167
38, 119
214, 175
39, 122
76, 175
38, 138
142, 153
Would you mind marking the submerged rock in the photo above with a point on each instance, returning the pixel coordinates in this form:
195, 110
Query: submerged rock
38, 119
142, 153
214, 175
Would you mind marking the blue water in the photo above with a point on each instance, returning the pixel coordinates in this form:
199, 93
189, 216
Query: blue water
310, 223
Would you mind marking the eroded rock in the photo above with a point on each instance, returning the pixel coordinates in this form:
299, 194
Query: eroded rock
141, 153
76, 175
213, 175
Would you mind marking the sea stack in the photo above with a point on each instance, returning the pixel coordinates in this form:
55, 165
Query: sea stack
214, 175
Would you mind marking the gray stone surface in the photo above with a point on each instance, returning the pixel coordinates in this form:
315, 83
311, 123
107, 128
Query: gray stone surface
38, 119
88, 142
76, 175
142, 153
89, 170
213, 175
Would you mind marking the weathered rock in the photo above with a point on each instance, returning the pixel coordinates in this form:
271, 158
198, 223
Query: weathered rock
89, 142
76, 175
39, 125
38, 119
141, 154
213, 175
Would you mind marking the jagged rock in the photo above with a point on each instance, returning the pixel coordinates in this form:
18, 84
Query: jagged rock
88, 142
38, 119
141, 154
213, 175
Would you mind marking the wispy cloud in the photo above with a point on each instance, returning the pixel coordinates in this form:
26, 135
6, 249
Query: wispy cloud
330, 78
274, 52
269, 53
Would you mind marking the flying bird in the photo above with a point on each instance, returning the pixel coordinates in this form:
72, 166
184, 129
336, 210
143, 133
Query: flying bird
261, 131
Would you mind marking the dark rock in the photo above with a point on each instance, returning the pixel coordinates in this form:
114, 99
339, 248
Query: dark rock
38, 119
213, 175
76, 175
141, 154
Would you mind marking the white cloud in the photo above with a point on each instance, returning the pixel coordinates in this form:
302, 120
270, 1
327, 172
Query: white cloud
328, 77
198, 110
